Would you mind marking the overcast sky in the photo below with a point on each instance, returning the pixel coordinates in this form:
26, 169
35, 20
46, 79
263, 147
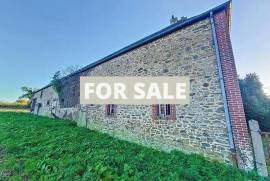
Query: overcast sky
37, 38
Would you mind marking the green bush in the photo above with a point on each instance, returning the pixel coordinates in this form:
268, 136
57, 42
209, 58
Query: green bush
256, 102
39, 148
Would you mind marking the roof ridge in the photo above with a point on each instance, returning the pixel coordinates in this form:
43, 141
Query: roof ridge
163, 32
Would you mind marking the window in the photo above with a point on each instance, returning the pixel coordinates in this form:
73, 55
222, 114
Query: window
110, 109
163, 111
41, 94
48, 103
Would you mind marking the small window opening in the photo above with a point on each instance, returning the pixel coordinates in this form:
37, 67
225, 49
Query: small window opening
110, 109
164, 110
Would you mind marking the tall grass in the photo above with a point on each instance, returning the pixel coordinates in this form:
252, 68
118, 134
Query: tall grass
39, 148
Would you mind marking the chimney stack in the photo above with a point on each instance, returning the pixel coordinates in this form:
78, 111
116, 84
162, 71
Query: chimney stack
173, 20
183, 18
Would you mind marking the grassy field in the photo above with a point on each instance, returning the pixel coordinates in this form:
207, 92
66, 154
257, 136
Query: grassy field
21, 106
39, 148
14, 105
14, 110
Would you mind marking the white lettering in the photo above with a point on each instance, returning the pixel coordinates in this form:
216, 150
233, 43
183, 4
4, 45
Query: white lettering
166, 92
88, 90
139, 92
119, 91
153, 91
108, 90
180, 91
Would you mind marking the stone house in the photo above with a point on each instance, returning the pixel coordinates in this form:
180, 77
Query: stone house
213, 124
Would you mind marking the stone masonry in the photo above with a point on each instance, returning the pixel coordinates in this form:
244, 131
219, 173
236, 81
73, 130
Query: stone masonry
199, 127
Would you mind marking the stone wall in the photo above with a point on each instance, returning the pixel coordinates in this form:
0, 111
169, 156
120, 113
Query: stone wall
199, 127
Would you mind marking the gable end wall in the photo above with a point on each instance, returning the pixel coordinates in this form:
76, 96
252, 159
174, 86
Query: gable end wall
241, 134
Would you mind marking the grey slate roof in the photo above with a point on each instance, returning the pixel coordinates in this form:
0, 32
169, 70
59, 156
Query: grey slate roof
170, 29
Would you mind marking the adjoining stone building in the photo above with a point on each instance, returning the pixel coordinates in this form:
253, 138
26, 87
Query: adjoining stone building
213, 124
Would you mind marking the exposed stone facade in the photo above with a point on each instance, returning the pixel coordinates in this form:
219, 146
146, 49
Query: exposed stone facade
199, 127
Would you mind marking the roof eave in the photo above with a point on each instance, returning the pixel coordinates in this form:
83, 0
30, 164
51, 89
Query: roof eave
172, 28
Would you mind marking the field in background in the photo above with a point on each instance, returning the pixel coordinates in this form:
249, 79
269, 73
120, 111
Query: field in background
19, 106
14, 110
39, 148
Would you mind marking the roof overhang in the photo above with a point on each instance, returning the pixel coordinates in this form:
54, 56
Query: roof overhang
170, 29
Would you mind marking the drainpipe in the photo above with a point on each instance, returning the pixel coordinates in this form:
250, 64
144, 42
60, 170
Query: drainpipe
220, 73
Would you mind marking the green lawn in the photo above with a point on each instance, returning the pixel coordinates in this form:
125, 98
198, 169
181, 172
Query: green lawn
39, 148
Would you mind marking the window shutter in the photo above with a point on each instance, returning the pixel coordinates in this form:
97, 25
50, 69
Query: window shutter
155, 111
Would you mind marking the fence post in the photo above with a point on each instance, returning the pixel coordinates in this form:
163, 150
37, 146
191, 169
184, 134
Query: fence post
258, 148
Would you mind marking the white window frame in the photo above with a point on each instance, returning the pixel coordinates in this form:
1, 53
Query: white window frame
164, 110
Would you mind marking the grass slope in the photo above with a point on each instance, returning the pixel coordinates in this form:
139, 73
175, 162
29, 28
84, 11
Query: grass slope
39, 148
